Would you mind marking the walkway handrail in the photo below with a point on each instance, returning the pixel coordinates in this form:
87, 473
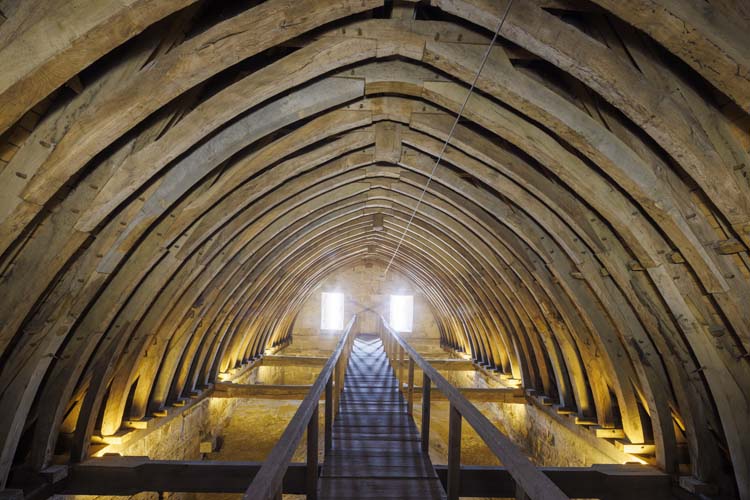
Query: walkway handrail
268, 483
530, 482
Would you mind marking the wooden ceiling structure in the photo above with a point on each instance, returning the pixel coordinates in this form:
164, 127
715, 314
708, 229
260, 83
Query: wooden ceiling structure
176, 176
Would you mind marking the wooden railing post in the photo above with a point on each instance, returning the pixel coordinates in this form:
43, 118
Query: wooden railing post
340, 380
426, 387
392, 351
335, 383
410, 388
400, 376
328, 424
312, 456
454, 453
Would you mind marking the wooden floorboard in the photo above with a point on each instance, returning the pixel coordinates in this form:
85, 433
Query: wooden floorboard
388, 433
372, 420
376, 445
381, 487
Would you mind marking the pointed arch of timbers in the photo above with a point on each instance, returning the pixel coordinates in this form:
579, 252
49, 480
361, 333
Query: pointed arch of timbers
586, 234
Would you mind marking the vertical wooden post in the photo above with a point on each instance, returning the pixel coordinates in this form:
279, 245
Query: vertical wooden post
335, 382
400, 376
342, 374
328, 423
312, 456
345, 354
454, 453
410, 388
342, 371
426, 388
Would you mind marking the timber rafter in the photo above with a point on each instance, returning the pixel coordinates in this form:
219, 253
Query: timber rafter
164, 218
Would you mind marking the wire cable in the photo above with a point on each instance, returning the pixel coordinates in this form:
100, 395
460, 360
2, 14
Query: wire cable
450, 134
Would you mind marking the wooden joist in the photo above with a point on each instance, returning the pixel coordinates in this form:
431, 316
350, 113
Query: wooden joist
131, 475
483, 395
607, 481
635, 449
261, 391
298, 392
449, 364
280, 360
609, 433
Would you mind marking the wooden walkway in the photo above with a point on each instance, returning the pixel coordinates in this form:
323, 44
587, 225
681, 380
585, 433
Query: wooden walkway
376, 446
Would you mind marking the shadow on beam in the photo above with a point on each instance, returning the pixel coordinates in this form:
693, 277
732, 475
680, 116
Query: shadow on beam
298, 392
131, 475
606, 482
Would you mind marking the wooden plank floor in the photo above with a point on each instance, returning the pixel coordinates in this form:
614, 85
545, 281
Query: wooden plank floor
376, 446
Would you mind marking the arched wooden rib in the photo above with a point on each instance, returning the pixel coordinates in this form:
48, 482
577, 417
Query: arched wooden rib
615, 269
74, 359
50, 42
187, 65
698, 267
273, 79
672, 126
601, 327
91, 346
502, 81
37, 148
113, 262
570, 238
712, 43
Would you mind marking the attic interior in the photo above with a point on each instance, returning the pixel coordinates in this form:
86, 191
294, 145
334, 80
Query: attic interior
226, 225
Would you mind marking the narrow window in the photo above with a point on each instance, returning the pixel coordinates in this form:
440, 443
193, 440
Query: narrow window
332, 311
402, 313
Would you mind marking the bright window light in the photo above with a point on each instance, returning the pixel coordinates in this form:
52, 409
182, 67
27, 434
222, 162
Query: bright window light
332, 311
402, 313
